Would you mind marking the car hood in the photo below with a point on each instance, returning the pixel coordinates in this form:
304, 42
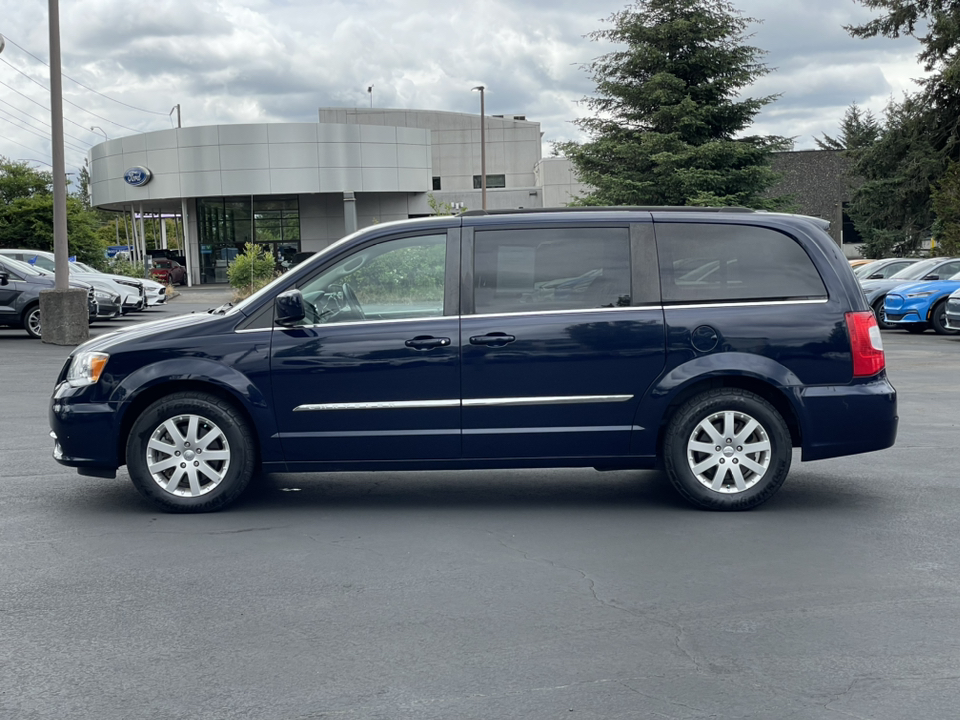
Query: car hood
931, 286
148, 329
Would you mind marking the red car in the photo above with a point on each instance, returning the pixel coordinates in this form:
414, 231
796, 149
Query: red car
169, 272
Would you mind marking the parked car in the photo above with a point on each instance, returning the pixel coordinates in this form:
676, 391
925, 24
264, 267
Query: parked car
915, 307
881, 269
129, 289
149, 292
109, 303
503, 339
952, 310
20, 287
168, 272
926, 270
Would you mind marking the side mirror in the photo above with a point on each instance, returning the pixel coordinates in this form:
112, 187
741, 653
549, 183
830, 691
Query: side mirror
289, 308
875, 276
931, 276
4, 277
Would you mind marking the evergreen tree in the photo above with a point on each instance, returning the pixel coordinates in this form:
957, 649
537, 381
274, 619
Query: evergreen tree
920, 137
668, 112
858, 130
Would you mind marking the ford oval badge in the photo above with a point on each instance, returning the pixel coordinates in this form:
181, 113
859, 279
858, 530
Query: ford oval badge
137, 176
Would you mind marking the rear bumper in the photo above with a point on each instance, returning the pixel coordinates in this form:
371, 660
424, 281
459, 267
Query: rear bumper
849, 419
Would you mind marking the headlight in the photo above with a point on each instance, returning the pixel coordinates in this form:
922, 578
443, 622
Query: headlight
920, 294
102, 295
86, 368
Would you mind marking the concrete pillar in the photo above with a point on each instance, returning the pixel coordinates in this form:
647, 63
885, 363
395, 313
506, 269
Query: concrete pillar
191, 241
64, 316
350, 212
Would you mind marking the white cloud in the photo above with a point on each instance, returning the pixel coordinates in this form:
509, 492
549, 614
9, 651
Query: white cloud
231, 61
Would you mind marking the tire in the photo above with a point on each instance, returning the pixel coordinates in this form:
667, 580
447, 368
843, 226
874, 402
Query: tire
881, 315
31, 321
915, 328
706, 477
938, 320
201, 422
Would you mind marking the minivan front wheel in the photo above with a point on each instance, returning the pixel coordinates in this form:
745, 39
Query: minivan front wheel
727, 449
190, 452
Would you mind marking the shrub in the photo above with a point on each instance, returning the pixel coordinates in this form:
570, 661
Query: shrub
250, 270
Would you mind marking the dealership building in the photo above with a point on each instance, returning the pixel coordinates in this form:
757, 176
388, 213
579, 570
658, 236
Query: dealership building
301, 186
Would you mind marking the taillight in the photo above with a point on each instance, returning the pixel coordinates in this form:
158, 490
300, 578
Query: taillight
866, 344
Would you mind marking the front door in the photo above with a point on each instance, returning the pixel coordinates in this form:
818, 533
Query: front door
373, 371
561, 340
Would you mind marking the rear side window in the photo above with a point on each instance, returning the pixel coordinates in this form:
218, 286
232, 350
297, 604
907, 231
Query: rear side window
728, 263
535, 270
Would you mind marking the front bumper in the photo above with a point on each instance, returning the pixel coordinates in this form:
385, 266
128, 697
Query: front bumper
849, 419
83, 432
156, 297
953, 313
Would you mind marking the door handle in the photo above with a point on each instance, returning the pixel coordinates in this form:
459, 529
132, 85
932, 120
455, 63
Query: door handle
494, 339
427, 342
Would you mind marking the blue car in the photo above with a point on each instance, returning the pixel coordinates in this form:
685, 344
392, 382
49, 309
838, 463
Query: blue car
917, 306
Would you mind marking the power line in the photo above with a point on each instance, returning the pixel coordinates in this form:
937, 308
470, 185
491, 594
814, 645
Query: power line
27, 97
36, 132
39, 152
86, 87
42, 122
90, 112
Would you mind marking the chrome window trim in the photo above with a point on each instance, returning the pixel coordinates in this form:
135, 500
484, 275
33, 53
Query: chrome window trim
469, 402
754, 303
254, 330
576, 311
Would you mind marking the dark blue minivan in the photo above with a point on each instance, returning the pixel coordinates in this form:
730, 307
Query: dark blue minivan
711, 342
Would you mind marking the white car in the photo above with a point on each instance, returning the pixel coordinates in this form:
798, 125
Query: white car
154, 293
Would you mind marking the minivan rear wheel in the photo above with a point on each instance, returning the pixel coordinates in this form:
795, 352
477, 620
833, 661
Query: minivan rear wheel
727, 449
190, 452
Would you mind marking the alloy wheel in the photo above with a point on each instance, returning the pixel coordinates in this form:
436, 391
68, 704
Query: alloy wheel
729, 452
188, 456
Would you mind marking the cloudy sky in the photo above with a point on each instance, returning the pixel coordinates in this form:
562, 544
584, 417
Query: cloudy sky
234, 61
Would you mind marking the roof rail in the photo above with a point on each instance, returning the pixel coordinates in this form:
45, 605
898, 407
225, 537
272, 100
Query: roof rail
615, 208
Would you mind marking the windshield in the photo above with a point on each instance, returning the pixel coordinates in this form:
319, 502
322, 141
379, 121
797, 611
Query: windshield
22, 267
864, 270
83, 267
917, 270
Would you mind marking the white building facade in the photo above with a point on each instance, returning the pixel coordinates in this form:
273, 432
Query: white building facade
298, 187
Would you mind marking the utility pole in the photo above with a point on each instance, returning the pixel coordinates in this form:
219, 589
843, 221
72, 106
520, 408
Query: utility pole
64, 311
483, 149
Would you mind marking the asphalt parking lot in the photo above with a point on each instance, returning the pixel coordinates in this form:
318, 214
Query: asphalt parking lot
482, 594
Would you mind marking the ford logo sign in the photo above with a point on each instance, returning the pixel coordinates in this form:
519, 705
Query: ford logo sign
137, 176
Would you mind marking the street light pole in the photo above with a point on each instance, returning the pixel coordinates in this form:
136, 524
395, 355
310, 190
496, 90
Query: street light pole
95, 128
483, 149
61, 255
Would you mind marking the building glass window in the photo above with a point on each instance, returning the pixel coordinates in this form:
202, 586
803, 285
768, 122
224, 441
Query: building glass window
436, 183
493, 181
227, 224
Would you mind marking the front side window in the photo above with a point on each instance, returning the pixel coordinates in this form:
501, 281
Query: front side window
393, 280
551, 269
727, 263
